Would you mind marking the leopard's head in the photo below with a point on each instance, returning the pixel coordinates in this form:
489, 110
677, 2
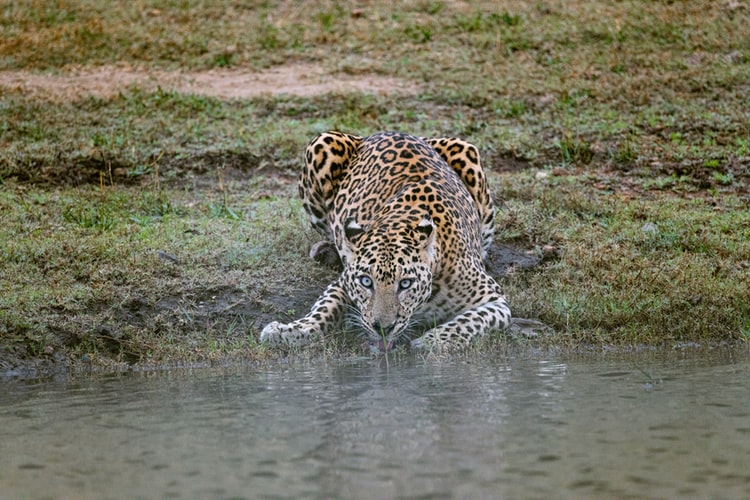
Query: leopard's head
388, 275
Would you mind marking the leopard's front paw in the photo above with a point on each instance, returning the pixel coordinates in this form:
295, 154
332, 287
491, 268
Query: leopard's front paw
418, 345
277, 334
439, 340
426, 342
272, 333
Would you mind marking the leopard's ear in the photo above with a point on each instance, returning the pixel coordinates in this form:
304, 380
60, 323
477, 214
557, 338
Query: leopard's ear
352, 229
426, 234
352, 232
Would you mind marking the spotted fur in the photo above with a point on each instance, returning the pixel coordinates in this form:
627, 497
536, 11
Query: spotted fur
411, 220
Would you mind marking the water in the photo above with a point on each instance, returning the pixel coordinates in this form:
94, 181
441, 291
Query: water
639, 426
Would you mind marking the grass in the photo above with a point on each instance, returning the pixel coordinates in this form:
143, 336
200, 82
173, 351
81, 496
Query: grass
636, 271
156, 227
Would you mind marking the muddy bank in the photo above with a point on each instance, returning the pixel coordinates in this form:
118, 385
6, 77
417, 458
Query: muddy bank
192, 312
229, 303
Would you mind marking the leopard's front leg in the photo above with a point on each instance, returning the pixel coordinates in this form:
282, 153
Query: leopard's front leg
462, 329
324, 316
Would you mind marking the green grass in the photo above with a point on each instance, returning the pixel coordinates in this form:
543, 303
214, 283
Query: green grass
615, 133
634, 271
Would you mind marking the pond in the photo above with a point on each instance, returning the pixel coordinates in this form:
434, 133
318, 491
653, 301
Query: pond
645, 425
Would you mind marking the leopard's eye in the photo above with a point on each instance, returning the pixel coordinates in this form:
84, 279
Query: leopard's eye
365, 281
405, 283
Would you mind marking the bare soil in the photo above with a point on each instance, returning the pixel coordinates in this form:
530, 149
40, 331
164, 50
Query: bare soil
301, 79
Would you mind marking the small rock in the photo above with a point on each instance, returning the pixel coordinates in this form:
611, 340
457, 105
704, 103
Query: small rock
167, 257
549, 250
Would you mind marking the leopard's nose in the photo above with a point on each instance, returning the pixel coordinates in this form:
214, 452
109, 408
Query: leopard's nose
382, 329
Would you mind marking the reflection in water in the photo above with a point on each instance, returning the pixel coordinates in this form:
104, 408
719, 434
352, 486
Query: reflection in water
646, 427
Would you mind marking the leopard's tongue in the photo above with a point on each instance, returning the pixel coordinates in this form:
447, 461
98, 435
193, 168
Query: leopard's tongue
383, 346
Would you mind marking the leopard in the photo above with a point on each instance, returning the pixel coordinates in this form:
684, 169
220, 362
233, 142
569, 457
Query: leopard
411, 220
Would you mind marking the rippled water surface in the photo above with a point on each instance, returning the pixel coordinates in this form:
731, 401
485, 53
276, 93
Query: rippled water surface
640, 426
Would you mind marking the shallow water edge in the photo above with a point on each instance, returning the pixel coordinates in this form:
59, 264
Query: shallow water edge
618, 425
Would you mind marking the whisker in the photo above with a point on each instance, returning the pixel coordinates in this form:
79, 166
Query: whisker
357, 326
407, 333
353, 319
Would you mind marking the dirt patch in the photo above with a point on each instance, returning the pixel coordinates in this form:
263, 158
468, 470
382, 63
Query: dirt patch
301, 79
